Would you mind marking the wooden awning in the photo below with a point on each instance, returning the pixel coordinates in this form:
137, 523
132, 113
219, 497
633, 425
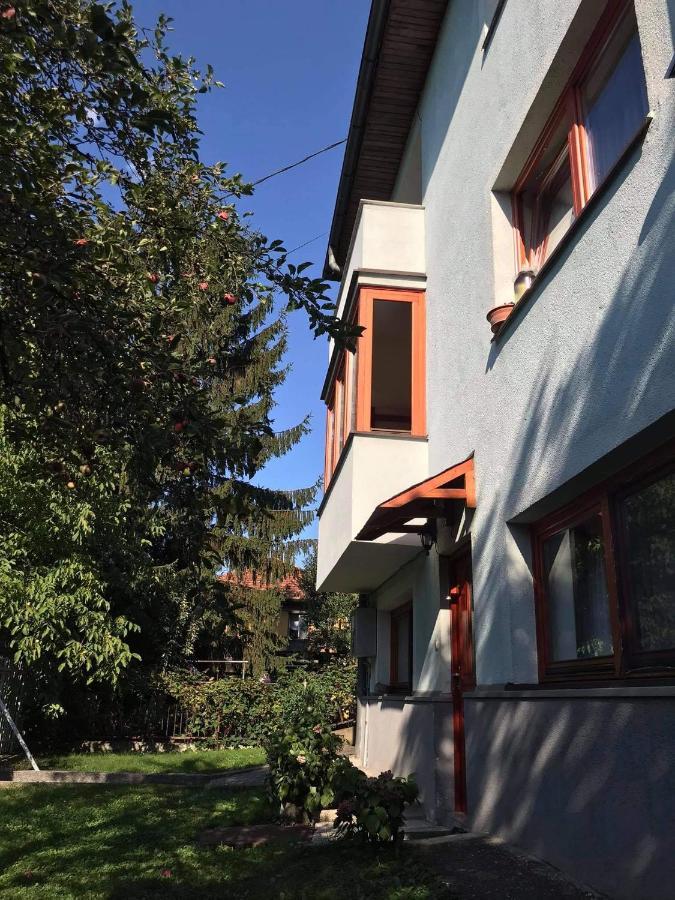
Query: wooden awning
425, 500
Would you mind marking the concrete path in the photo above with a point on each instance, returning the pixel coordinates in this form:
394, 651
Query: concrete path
252, 776
481, 867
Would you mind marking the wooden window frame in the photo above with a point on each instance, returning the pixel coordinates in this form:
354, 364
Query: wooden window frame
330, 462
351, 389
367, 298
405, 611
627, 660
569, 109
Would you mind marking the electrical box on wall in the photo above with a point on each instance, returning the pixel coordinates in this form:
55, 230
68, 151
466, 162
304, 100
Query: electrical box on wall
364, 632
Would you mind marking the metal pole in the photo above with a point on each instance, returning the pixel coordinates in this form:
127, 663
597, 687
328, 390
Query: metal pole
17, 735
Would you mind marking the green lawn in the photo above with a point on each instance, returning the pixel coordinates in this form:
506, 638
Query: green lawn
89, 841
190, 761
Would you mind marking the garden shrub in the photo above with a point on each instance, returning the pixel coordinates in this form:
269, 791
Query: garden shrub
374, 811
331, 691
229, 710
232, 710
306, 770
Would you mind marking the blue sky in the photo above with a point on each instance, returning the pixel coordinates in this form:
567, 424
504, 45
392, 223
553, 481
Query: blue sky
289, 71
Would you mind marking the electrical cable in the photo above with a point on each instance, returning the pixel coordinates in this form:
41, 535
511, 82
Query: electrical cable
299, 162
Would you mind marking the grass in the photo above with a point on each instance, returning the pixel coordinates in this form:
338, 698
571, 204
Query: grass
89, 841
198, 761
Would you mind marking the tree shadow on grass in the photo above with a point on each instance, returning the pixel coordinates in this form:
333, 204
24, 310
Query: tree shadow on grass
87, 839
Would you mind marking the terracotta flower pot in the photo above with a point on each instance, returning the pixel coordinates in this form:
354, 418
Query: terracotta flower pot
498, 315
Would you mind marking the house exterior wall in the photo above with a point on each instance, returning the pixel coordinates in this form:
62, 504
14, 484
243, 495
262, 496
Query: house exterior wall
388, 237
361, 483
584, 778
584, 782
587, 365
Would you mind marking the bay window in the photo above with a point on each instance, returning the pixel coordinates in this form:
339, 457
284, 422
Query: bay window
600, 113
380, 387
605, 579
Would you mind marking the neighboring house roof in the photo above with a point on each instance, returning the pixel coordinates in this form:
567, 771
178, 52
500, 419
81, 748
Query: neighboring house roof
289, 585
400, 42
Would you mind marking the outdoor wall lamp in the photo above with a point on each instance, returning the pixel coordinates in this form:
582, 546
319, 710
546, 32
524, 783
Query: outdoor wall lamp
428, 539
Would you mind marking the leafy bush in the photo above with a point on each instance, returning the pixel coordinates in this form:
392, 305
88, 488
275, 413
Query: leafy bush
232, 710
331, 691
224, 711
306, 770
374, 811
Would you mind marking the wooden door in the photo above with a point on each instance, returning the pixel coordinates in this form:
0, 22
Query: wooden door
463, 665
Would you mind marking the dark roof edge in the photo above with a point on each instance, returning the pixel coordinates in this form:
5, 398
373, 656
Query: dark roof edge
377, 20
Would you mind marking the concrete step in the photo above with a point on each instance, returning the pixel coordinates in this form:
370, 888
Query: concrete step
416, 826
418, 830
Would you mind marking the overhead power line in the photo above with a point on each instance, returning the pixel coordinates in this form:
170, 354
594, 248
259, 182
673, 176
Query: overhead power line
299, 162
311, 241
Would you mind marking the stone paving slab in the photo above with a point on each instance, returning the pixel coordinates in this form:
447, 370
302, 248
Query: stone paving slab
252, 776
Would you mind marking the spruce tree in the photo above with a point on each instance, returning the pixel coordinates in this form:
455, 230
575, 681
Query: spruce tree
142, 338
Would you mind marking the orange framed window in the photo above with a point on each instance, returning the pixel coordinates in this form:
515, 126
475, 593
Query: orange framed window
596, 119
605, 578
390, 389
381, 386
330, 448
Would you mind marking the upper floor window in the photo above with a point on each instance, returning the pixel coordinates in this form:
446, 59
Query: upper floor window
297, 626
380, 387
401, 647
601, 111
605, 579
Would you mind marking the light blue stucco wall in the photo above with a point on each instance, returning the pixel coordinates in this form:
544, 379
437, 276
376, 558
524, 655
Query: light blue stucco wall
589, 362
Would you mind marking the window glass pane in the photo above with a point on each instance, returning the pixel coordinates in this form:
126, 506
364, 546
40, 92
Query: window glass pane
558, 205
547, 203
615, 99
391, 397
402, 624
339, 416
330, 438
576, 593
297, 626
649, 542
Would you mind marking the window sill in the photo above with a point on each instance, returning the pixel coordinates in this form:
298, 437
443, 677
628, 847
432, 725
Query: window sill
389, 695
637, 692
567, 238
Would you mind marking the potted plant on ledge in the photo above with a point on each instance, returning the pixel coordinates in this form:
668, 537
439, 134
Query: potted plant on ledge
499, 314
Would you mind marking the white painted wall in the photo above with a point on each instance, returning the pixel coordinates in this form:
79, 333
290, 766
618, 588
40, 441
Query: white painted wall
418, 581
587, 365
375, 468
388, 237
590, 362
